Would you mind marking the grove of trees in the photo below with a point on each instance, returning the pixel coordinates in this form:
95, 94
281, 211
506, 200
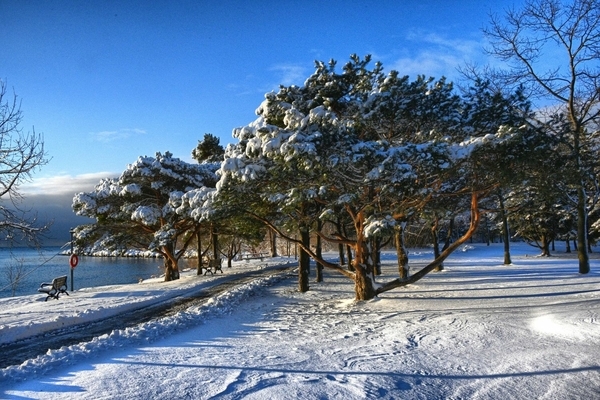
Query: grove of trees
552, 48
357, 157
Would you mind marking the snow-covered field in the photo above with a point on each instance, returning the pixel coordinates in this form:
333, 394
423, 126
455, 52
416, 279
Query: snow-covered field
478, 330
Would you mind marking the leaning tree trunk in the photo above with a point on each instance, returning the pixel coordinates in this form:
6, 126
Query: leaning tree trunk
475, 218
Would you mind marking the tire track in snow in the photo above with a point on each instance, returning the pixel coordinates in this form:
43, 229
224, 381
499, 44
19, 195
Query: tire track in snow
17, 353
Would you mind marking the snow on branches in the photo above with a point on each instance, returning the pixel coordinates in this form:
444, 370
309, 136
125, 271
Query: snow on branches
358, 143
155, 201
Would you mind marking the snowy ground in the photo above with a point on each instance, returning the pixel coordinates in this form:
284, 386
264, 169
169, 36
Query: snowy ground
478, 330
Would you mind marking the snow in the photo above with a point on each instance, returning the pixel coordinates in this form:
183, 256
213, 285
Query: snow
477, 330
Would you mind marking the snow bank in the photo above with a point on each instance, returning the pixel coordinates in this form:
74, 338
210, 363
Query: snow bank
477, 330
146, 332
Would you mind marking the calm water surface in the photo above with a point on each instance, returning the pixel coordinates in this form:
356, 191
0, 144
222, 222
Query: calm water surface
37, 266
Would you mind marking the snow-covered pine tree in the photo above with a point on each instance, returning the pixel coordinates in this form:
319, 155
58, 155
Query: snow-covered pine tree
311, 149
146, 205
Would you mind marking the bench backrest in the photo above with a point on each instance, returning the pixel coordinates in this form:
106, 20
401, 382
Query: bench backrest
59, 282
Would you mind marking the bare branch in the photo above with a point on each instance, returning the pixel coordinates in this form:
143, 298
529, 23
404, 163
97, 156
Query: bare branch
20, 156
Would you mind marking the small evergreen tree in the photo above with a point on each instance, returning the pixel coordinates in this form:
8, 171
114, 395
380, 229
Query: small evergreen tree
208, 150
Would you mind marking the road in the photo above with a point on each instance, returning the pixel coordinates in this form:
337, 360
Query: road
17, 353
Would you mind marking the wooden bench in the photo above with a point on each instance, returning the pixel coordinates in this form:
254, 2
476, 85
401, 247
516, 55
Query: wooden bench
213, 267
254, 256
54, 289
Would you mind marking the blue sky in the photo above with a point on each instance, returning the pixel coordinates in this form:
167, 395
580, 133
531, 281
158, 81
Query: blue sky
108, 81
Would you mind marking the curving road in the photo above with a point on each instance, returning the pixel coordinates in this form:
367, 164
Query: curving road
17, 353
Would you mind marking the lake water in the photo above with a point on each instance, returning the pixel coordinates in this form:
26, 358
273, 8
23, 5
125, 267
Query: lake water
37, 266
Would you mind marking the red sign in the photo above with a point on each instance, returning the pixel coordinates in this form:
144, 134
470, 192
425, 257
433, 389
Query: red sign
73, 260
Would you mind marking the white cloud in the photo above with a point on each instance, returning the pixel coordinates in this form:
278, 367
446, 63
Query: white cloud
63, 184
110, 136
290, 74
438, 55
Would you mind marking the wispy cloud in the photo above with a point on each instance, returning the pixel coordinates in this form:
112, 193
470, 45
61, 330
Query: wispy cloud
290, 74
437, 55
120, 134
64, 184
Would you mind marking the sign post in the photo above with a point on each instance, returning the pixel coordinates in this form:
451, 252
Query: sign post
73, 259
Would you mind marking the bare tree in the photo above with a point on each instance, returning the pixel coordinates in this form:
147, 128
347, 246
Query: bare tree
553, 50
21, 154
15, 272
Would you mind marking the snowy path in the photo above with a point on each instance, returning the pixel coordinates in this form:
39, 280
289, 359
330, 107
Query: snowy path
479, 330
16, 352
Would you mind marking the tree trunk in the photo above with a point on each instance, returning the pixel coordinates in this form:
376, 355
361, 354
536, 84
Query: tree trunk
340, 246
319, 252
449, 235
273, 242
582, 239
505, 231
545, 246
232, 252
342, 256
363, 272
401, 251
304, 261
199, 250
436, 243
171, 267
350, 260
214, 241
475, 218
348, 250
376, 255
363, 283
364, 278
582, 216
